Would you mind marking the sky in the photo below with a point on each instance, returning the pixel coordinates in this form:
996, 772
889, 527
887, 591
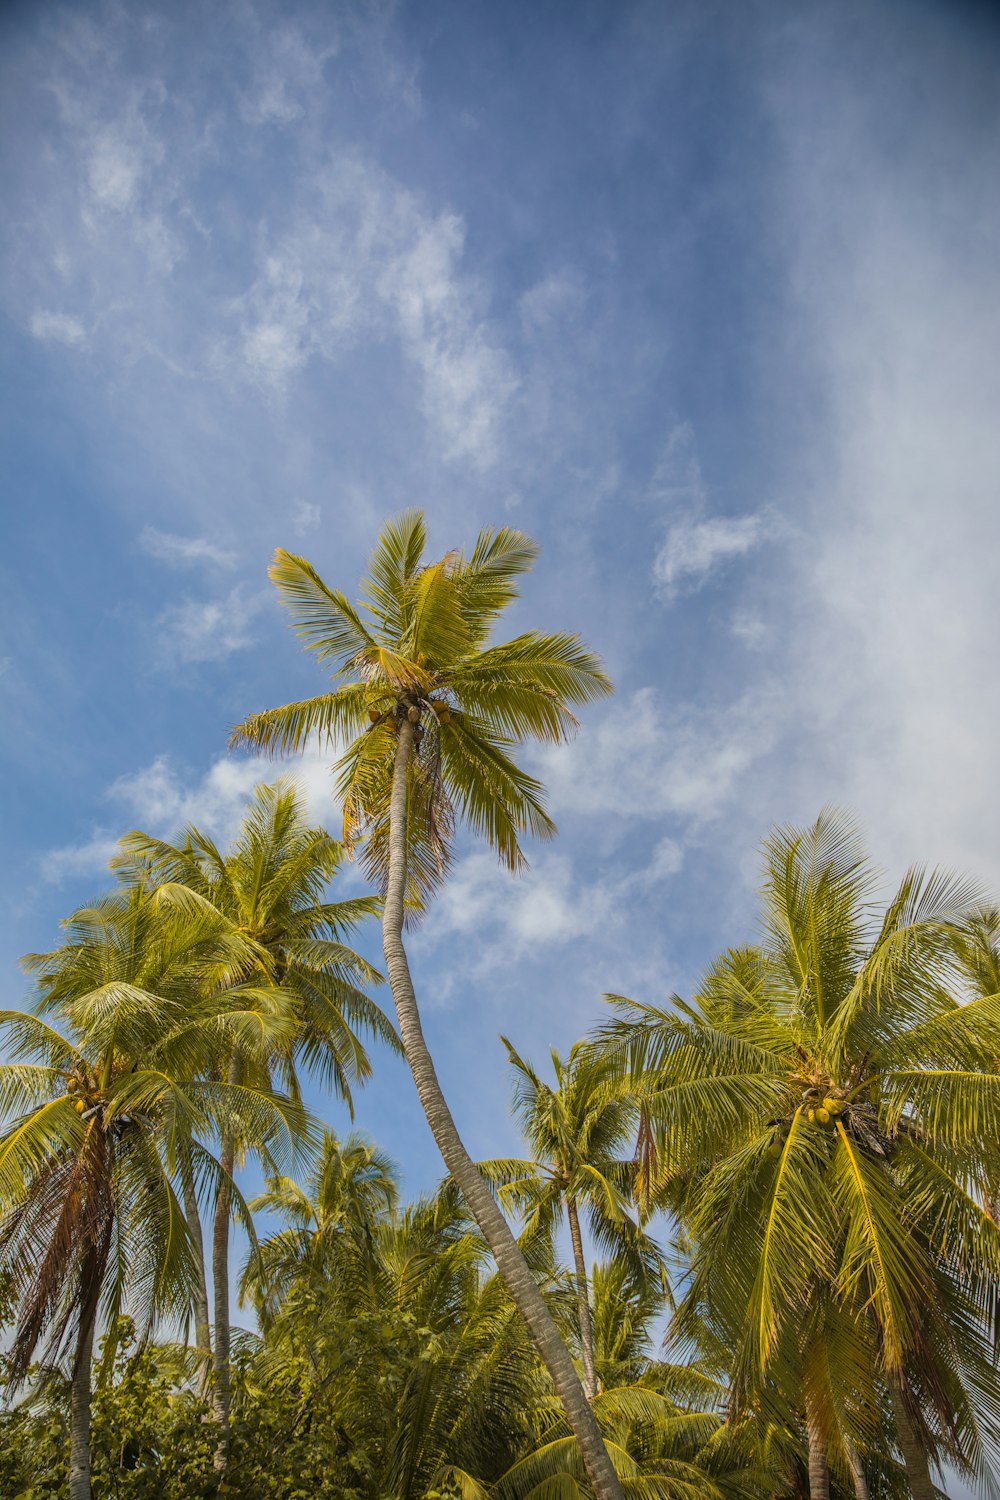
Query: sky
704, 297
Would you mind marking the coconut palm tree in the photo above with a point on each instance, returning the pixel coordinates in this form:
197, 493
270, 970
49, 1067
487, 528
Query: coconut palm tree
431, 711
578, 1132
90, 1224
350, 1189
826, 1112
272, 885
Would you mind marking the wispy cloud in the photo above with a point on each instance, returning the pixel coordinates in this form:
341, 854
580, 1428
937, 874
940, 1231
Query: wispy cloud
305, 517
161, 799
207, 630
122, 241
72, 860
59, 328
364, 256
692, 550
167, 547
647, 760
696, 545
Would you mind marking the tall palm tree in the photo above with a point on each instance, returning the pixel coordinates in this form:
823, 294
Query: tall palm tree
432, 711
827, 1109
272, 885
578, 1132
89, 1218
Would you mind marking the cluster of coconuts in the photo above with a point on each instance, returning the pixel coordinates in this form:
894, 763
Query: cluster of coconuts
73, 1086
827, 1107
414, 713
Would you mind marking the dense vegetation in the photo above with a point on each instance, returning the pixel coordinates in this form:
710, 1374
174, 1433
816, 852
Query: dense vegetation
750, 1249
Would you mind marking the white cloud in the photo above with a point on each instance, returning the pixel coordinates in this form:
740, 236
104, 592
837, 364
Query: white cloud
677, 480
750, 628
206, 630
169, 548
59, 865
892, 657
287, 73
60, 328
114, 169
484, 918
305, 517
551, 300
645, 760
160, 800
695, 545
692, 549
367, 258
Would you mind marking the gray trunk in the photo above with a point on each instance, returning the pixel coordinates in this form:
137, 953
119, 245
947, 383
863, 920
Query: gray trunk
220, 1278
202, 1319
914, 1454
582, 1302
857, 1472
819, 1464
496, 1231
79, 1405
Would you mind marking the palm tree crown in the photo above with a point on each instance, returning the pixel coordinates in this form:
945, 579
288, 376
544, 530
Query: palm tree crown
417, 645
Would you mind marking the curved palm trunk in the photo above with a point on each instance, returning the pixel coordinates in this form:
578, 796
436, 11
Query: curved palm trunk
79, 1401
914, 1454
582, 1302
202, 1319
496, 1231
857, 1472
819, 1462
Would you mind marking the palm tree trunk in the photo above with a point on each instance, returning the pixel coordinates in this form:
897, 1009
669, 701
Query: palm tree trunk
79, 1401
819, 1463
496, 1231
583, 1302
857, 1471
914, 1454
220, 1278
202, 1319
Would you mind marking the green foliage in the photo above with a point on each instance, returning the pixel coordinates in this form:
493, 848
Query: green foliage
821, 1120
418, 644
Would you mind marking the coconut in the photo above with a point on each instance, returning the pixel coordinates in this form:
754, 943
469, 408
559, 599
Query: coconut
834, 1105
413, 713
812, 1116
374, 715
81, 1105
823, 1115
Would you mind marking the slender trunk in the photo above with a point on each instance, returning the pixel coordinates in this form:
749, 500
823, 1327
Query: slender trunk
496, 1231
857, 1472
220, 1277
582, 1302
819, 1464
79, 1401
914, 1453
202, 1318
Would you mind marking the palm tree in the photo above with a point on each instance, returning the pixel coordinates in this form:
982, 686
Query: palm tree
432, 711
826, 1112
351, 1189
272, 885
89, 1219
578, 1132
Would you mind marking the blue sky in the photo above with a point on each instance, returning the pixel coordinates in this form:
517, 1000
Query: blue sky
704, 297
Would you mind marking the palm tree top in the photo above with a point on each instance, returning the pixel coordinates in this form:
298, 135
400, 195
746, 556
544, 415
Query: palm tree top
418, 646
